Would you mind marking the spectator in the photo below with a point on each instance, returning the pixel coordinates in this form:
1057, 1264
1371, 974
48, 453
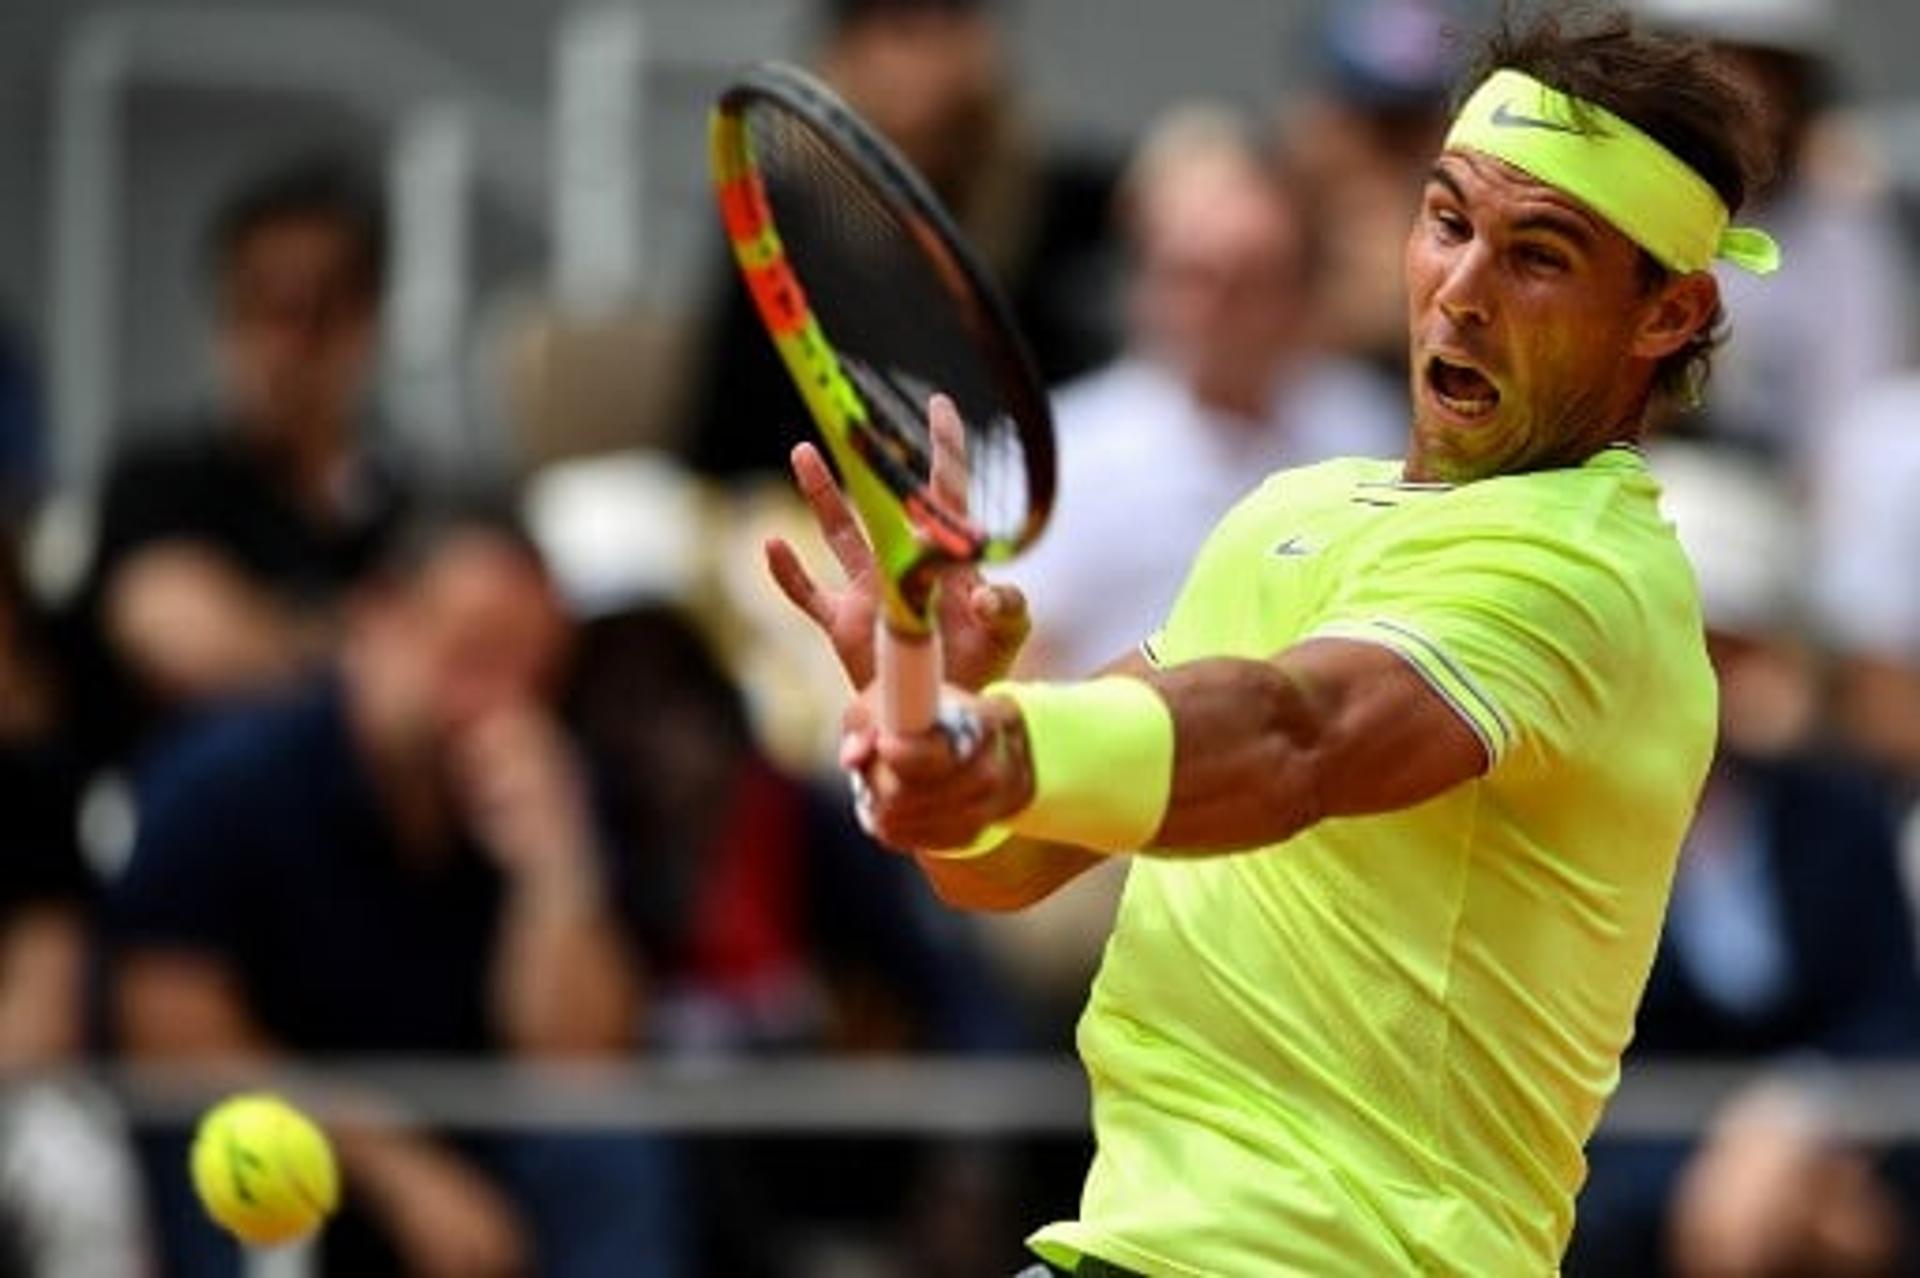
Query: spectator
225, 542
1218, 387
69, 1203
1837, 318
1866, 595
399, 858
1360, 145
769, 924
1787, 940
931, 75
767, 920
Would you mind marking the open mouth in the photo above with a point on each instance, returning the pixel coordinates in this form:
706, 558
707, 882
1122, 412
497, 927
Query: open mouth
1461, 390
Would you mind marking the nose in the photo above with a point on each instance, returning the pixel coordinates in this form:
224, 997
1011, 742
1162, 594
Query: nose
1464, 295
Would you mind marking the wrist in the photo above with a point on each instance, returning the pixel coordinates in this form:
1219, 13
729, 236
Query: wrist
567, 886
1003, 735
1097, 758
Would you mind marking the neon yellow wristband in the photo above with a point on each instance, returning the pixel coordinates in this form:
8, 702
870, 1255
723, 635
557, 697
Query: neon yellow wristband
984, 842
1102, 756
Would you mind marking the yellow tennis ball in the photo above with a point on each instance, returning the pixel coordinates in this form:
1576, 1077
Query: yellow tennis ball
263, 1170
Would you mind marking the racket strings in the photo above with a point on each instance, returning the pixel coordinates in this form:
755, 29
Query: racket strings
899, 314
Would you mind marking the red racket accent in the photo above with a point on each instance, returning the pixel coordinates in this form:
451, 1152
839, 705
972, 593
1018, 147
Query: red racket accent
777, 293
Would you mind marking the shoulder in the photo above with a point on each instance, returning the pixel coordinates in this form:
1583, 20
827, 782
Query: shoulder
179, 451
1605, 514
1584, 551
178, 485
1337, 478
253, 757
1572, 501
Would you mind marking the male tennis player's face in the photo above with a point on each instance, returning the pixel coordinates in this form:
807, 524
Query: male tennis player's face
1534, 333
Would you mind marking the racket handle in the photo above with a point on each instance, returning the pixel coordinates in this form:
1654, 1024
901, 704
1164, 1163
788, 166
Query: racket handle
909, 672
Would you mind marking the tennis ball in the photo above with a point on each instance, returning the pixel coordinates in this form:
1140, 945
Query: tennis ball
263, 1170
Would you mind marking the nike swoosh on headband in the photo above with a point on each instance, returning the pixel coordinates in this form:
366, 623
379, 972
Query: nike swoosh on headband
1505, 117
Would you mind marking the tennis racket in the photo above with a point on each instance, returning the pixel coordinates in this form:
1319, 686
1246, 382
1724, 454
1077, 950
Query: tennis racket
875, 302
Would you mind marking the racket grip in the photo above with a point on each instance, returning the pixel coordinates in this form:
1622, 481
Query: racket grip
909, 673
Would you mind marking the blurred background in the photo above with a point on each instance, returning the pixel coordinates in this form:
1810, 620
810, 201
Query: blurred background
393, 703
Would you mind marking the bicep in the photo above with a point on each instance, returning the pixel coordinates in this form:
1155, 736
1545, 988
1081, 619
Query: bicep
1327, 728
1388, 738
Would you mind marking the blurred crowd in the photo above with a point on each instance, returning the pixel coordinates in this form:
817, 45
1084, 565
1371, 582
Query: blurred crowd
311, 755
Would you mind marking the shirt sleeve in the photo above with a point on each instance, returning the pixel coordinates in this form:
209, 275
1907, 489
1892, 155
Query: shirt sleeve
184, 884
1527, 639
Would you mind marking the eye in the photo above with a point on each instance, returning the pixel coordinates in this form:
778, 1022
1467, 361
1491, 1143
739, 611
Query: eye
1449, 225
1539, 257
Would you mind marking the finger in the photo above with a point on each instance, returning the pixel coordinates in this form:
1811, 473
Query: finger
925, 758
857, 749
1000, 610
949, 479
831, 512
907, 817
795, 582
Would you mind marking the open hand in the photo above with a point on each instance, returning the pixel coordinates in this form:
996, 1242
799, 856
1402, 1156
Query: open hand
982, 624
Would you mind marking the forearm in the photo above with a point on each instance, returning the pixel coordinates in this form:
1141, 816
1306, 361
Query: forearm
43, 962
194, 627
1238, 753
1250, 753
564, 983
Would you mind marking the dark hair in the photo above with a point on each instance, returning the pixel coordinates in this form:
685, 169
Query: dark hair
842, 14
320, 187
1674, 88
424, 534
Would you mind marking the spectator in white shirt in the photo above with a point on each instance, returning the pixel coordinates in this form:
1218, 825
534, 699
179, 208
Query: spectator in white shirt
1218, 387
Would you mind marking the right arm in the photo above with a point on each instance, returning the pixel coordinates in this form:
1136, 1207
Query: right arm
193, 626
1020, 872
983, 627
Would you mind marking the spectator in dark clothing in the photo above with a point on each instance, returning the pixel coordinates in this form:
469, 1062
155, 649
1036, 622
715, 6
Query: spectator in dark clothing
69, 1202
931, 76
1789, 940
767, 920
400, 859
224, 545
770, 924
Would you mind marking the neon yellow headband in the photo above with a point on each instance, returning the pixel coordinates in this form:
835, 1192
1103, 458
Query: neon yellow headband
1652, 196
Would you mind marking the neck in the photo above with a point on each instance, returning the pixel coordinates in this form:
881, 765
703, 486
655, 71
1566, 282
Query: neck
309, 456
1422, 467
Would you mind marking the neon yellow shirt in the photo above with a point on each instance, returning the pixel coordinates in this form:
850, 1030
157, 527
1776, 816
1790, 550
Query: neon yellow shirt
1379, 1047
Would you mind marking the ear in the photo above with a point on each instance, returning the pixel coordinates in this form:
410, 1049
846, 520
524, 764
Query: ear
1679, 309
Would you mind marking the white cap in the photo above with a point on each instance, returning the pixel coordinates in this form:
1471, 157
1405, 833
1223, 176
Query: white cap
1795, 26
1741, 532
619, 530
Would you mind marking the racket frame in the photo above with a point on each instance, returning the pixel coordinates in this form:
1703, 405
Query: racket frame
912, 534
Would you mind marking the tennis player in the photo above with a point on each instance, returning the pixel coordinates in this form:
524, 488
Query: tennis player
1405, 771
